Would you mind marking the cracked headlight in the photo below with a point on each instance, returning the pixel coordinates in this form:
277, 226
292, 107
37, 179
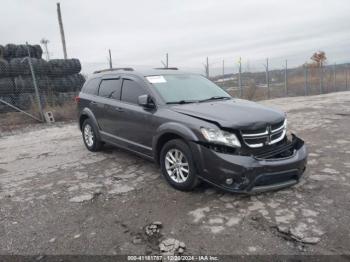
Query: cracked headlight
218, 136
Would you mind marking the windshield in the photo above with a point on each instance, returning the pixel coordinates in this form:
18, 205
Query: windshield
186, 88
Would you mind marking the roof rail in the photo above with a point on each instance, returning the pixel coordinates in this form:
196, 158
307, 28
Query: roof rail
166, 68
114, 69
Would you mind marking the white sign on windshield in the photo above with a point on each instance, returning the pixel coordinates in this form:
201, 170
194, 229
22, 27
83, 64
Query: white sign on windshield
156, 79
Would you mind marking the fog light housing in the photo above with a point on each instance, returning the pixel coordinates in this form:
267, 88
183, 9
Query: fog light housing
229, 181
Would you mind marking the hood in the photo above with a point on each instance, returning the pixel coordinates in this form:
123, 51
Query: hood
233, 114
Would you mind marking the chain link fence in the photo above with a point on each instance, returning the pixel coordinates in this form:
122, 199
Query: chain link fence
33, 86
261, 82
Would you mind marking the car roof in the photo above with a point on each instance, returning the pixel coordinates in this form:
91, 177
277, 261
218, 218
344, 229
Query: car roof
140, 72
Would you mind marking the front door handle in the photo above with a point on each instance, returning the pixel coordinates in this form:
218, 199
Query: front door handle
119, 109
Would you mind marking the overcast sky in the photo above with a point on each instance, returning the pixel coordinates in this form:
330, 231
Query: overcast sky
140, 32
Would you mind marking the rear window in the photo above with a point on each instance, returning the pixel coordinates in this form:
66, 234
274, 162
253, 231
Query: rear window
110, 88
91, 86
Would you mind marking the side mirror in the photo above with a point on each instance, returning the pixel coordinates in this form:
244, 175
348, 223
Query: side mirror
146, 101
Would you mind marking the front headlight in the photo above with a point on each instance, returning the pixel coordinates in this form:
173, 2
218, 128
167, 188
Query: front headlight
220, 137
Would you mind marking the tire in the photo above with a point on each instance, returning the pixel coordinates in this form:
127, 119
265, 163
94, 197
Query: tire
7, 86
62, 67
38, 51
191, 180
2, 51
4, 67
94, 145
20, 51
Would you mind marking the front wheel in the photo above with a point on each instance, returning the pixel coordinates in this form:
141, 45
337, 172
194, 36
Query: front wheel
177, 165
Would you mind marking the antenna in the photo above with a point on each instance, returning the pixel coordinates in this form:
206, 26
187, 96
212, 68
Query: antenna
110, 59
166, 63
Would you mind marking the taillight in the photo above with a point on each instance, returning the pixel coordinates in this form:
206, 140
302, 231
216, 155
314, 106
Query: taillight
77, 99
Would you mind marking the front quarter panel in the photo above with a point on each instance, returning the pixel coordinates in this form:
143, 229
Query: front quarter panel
184, 126
175, 128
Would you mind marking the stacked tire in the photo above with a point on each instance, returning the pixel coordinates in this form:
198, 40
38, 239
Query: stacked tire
17, 51
53, 77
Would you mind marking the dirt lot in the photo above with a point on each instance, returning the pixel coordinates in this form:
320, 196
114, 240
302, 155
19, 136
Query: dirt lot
58, 198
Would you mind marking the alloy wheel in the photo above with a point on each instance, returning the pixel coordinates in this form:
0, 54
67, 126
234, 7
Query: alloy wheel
88, 135
177, 165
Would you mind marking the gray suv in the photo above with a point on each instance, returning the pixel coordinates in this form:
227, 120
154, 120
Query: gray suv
192, 128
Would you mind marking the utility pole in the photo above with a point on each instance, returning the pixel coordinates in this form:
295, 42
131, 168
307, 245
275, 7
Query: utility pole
240, 77
305, 79
110, 59
45, 43
286, 78
61, 30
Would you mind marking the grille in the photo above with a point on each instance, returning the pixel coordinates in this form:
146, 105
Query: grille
267, 136
271, 179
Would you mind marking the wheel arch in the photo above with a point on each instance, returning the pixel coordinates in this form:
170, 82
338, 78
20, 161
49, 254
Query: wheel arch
170, 131
87, 114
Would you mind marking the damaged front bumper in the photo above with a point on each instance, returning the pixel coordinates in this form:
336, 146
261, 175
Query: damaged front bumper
264, 171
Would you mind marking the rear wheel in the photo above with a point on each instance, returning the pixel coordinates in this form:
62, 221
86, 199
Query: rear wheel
177, 165
90, 138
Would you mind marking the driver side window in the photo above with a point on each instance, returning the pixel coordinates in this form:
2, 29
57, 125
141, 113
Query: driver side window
131, 90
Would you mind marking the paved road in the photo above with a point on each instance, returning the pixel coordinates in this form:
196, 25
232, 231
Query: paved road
58, 198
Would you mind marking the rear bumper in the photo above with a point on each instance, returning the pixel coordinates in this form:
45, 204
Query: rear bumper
250, 174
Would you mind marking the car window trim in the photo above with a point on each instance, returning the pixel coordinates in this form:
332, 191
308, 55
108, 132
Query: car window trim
110, 78
96, 89
121, 91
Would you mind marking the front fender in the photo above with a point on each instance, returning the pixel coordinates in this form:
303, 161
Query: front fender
173, 128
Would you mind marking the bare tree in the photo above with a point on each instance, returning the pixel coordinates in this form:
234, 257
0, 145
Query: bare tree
319, 58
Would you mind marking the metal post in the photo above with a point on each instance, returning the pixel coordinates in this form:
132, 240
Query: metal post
167, 60
60, 23
346, 78
305, 80
286, 78
240, 77
321, 79
223, 73
45, 43
110, 59
35, 84
335, 77
267, 78
207, 68
20, 110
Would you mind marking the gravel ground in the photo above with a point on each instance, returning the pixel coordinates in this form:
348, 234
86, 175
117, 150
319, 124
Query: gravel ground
58, 198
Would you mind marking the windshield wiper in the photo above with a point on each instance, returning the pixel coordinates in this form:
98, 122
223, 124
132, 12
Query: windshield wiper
215, 98
182, 102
